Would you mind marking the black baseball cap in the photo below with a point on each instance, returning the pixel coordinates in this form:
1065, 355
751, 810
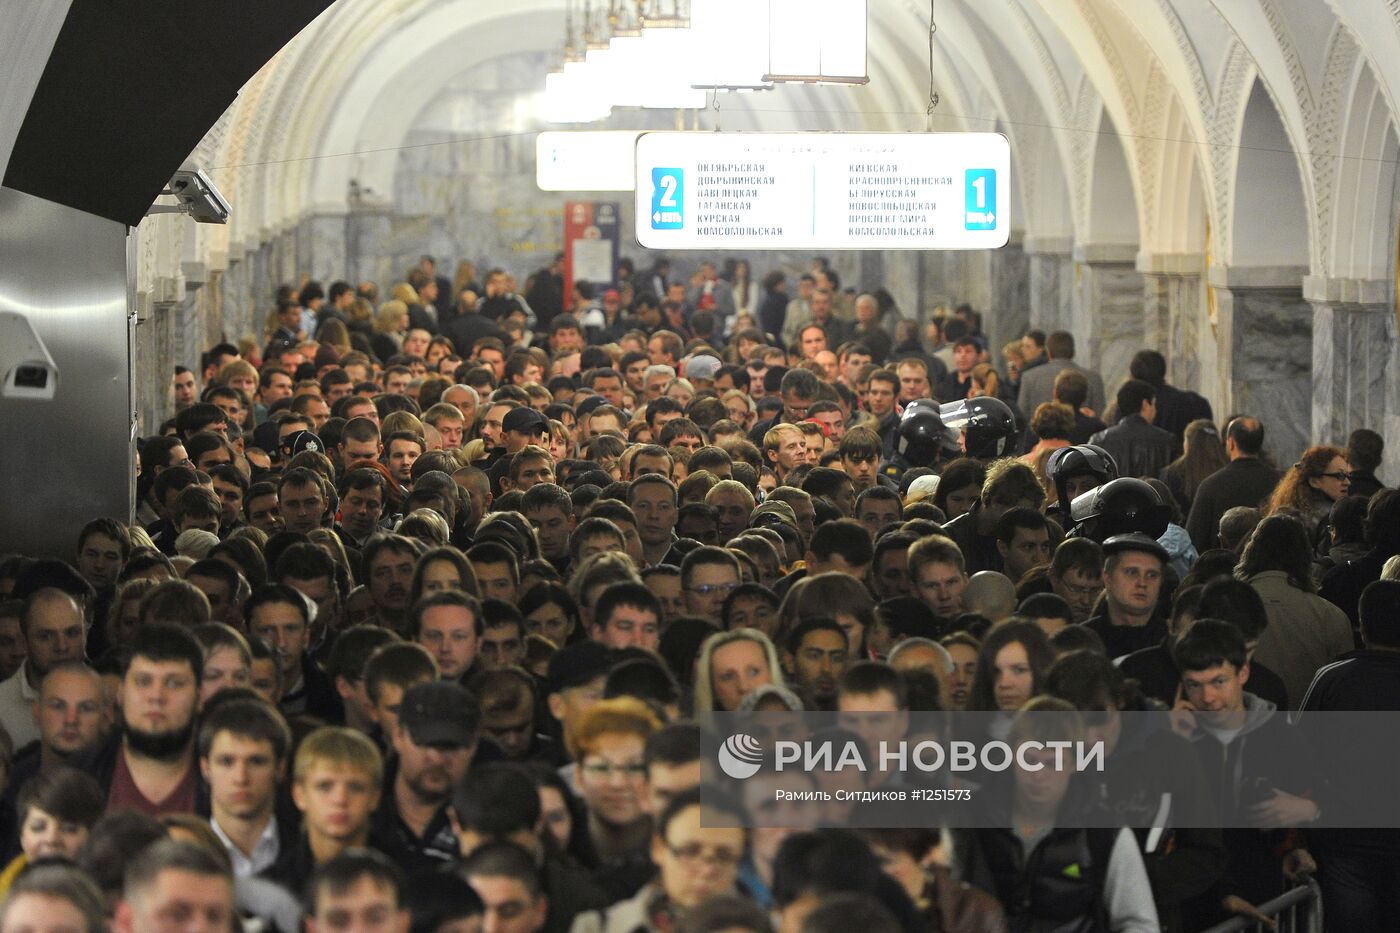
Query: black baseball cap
1136, 541
525, 421
441, 713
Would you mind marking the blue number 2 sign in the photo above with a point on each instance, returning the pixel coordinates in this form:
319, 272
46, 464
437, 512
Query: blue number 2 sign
981, 199
667, 198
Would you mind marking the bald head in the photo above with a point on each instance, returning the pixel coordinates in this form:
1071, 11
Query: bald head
54, 628
1244, 437
921, 654
990, 594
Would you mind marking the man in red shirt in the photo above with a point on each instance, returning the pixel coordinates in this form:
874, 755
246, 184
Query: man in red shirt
149, 765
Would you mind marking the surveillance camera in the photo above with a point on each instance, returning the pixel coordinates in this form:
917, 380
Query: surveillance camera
198, 197
29, 371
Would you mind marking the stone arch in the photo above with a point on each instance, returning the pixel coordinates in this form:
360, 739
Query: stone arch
1113, 214
1363, 235
1356, 367
1271, 222
1265, 324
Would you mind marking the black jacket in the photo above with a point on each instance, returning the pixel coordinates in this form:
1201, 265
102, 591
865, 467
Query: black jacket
951, 388
1342, 585
877, 341
1152, 777
317, 697
1357, 682
1176, 408
1125, 639
1244, 482
1158, 679
421, 318
1364, 483
438, 846
979, 551
1085, 427
1138, 448
772, 313
465, 330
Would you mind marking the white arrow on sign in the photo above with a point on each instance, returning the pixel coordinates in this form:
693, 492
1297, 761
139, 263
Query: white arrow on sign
656, 218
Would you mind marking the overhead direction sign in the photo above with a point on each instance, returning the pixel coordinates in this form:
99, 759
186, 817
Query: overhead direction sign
823, 191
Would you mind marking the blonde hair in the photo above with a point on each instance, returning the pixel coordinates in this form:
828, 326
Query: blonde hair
406, 293
345, 748
704, 675
397, 421
389, 316
237, 368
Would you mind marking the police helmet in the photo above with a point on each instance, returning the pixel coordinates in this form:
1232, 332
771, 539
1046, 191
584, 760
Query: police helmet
1119, 507
986, 424
1081, 460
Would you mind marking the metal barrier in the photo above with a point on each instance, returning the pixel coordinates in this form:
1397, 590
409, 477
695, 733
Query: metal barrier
1297, 910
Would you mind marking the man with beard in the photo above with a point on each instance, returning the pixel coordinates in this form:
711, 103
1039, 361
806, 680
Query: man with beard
388, 572
433, 744
817, 656
149, 764
53, 627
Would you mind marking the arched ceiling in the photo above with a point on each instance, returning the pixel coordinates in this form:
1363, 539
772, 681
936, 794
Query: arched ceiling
1172, 76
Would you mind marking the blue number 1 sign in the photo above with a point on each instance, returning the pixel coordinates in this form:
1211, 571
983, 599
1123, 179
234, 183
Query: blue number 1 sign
667, 198
981, 199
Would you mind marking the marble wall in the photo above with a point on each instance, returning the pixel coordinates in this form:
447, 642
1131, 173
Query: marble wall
1050, 291
1173, 312
1109, 313
1271, 365
1353, 351
1008, 314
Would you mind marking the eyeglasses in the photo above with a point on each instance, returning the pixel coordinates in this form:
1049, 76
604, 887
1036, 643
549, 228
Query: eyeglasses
710, 589
606, 769
1337, 476
692, 853
1083, 590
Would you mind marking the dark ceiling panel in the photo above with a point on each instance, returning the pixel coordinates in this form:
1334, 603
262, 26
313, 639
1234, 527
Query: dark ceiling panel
131, 88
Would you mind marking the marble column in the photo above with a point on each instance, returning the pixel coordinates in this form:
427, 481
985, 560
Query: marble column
321, 246
1173, 310
1050, 282
368, 229
1007, 315
1108, 320
903, 280
1353, 356
1265, 326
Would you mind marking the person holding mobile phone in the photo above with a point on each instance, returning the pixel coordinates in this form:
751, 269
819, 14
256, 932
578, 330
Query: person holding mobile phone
1258, 766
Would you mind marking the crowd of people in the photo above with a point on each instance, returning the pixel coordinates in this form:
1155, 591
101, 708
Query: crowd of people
427, 595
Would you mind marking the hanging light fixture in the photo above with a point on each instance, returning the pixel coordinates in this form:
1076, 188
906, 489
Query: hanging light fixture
730, 40
576, 94
817, 42
664, 61
661, 15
